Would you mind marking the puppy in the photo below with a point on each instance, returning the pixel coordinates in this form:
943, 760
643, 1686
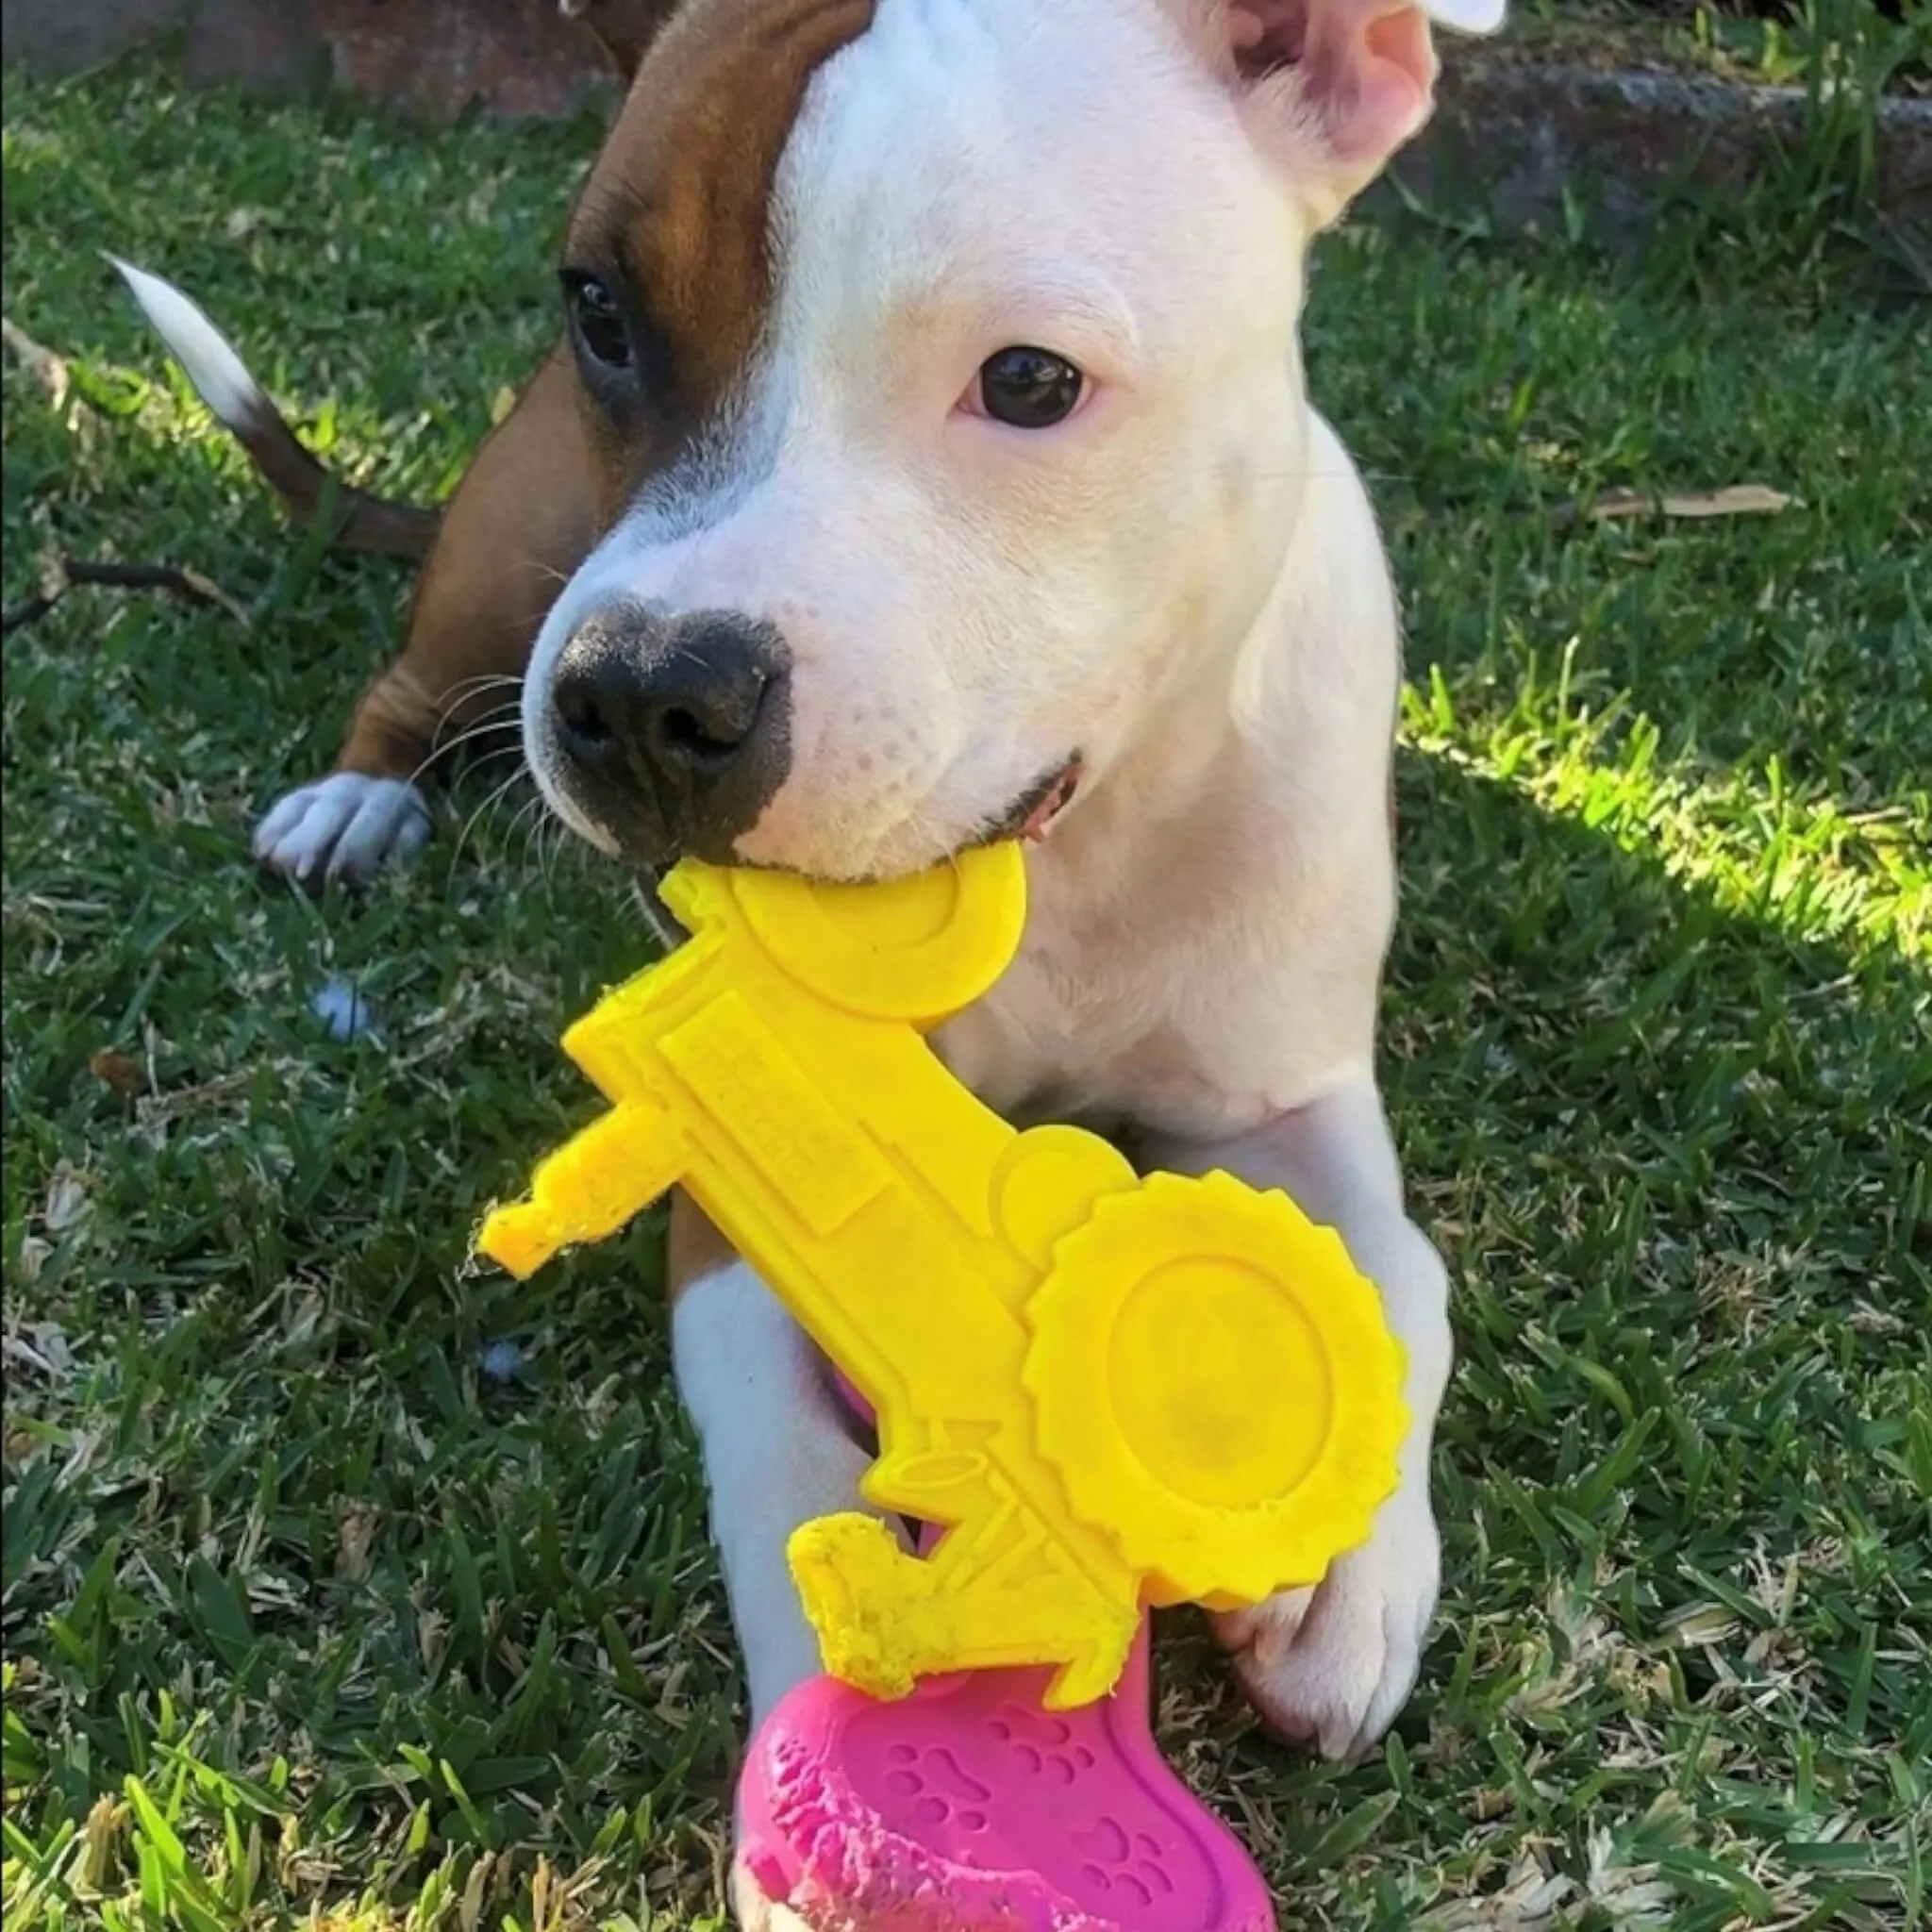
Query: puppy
927, 459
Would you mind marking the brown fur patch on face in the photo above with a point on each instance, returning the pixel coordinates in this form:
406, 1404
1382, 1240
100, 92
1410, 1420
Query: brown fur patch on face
675, 217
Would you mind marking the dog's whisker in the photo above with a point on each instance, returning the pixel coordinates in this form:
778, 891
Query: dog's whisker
495, 724
572, 856
527, 820
503, 719
504, 708
558, 848
549, 843
468, 688
1298, 476
495, 797
443, 752
463, 697
484, 680
461, 701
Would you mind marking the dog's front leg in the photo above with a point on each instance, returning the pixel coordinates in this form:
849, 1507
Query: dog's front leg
1335, 1664
778, 1443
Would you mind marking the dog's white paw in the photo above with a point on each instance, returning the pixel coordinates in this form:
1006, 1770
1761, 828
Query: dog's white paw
346, 826
1333, 1665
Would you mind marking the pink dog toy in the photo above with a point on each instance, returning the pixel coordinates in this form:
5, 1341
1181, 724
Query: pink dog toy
967, 1808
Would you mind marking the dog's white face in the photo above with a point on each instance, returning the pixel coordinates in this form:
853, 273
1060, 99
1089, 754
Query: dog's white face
1015, 456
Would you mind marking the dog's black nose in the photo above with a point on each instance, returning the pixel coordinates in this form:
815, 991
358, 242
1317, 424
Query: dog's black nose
674, 730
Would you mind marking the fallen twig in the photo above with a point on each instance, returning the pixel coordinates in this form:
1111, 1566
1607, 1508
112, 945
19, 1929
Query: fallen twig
1734, 500
62, 574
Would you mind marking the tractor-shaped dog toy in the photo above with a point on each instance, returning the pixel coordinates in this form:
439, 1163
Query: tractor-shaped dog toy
1109, 1391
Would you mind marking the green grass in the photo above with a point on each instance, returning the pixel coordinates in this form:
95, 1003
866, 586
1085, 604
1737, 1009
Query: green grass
1801, 43
309, 1618
1821, 199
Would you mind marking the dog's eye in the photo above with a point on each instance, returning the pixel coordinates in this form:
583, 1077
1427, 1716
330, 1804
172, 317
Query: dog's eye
1029, 389
597, 319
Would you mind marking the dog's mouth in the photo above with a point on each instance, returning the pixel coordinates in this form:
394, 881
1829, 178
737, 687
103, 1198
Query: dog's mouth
1030, 815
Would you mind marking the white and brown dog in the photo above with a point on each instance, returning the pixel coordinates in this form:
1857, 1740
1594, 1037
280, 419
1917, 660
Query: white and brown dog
927, 458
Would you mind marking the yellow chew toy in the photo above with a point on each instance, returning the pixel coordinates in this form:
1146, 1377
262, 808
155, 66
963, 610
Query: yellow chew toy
1111, 1391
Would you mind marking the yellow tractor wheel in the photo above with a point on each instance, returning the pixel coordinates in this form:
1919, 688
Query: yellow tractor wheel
1215, 1382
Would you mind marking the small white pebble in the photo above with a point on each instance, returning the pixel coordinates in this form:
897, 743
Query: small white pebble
343, 1011
502, 1361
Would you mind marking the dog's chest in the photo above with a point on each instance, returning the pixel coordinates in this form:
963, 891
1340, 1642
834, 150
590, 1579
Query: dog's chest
1082, 1025
1191, 982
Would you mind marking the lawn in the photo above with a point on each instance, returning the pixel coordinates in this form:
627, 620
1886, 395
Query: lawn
346, 1585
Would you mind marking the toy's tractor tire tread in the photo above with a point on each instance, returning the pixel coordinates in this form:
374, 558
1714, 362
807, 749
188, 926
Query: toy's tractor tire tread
1179, 1514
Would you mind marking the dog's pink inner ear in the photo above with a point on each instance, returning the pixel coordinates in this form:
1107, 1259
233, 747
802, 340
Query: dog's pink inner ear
1267, 34
1367, 67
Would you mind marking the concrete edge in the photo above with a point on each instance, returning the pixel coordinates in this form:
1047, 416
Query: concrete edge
1527, 137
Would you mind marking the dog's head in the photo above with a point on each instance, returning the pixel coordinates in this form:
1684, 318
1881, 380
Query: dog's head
938, 360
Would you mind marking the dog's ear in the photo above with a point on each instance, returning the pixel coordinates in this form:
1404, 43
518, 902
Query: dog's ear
1336, 86
624, 28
